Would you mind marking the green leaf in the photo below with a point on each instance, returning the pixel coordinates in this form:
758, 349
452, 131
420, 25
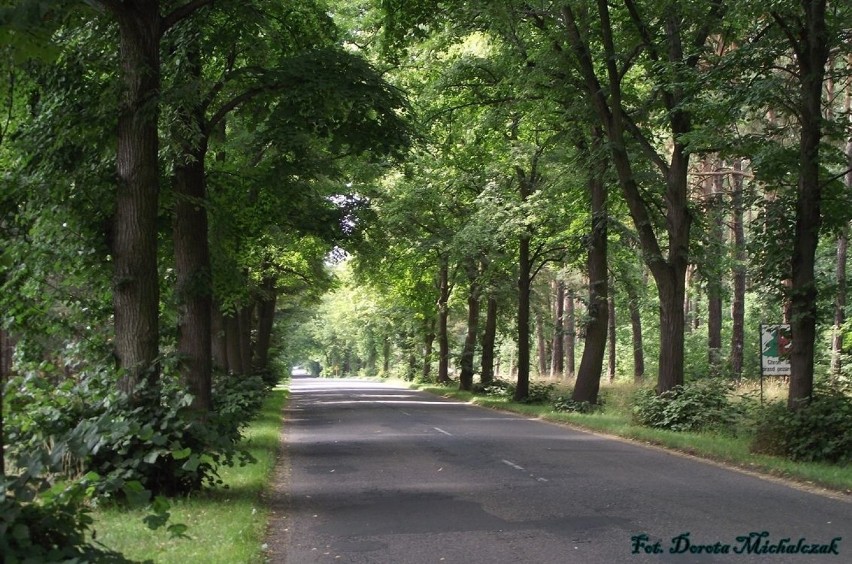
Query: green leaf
180, 454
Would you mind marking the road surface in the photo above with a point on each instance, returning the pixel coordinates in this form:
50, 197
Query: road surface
374, 473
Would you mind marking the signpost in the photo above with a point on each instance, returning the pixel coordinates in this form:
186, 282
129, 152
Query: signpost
775, 343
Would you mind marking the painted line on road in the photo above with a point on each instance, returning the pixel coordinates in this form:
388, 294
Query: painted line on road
405, 413
512, 464
442, 431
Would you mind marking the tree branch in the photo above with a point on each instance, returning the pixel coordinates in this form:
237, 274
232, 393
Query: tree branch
181, 12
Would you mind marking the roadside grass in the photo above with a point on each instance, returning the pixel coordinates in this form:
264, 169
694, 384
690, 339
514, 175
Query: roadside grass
615, 418
225, 524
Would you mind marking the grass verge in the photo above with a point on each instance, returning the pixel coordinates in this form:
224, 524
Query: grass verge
225, 525
615, 420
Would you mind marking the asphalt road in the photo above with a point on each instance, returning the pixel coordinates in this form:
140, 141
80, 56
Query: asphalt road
374, 473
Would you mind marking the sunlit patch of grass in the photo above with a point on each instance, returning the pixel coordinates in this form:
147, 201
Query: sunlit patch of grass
225, 525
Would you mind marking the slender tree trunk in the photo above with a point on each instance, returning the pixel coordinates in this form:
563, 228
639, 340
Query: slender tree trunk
812, 49
591, 365
428, 343
6, 351
541, 346
246, 322
557, 363
714, 277
218, 343
443, 314
611, 336
522, 387
265, 323
386, 353
570, 334
842, 249
469, 349
489, 337
636, 326
136, 291
739, 272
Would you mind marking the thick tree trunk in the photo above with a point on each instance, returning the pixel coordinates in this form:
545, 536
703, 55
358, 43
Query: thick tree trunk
591, 365
570, 335
232, 339
522, 386
636, 326
739, 272
443, 314
136, 291
265, 324
193, 278
489, 338
469, 349
811, 59
428, 344
669, 268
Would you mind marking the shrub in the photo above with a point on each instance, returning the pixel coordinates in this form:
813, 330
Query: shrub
495, 389
820, 431
696, 406
539, 393
568, 405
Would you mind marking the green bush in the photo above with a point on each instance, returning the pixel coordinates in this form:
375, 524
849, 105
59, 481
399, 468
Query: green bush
539, 393
820, 431
696, 406
495, 389
47, 524
567, 405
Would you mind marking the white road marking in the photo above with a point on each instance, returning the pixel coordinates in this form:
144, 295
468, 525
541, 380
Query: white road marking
405, 413
513, 465
442, 431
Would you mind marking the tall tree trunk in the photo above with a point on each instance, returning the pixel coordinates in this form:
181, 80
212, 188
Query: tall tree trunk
219, 344
715, 203
522, 386
232, 343
193, 290
636, 326
386, 353
570, 334
557, 364
443, 314
469, 349
136, 290
842, 250
611, 336
739, 272
489, 338
589, 376
246, 318
265, 323
428, 343
541, 344
6, 351
669, 268
811, 48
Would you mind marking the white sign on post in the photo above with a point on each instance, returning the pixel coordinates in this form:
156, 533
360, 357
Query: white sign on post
775, 343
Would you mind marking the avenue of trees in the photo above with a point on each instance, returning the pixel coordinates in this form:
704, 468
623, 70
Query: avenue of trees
607, 176
195, 195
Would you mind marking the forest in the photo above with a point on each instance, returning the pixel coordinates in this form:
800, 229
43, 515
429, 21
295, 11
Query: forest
496, 196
